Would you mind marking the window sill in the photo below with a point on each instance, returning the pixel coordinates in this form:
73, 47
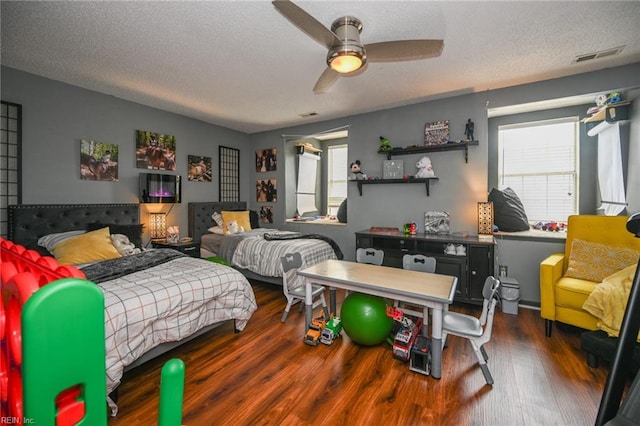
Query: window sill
532, 235
320, 221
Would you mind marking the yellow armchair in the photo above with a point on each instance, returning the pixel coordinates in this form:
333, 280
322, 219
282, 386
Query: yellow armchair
562, 297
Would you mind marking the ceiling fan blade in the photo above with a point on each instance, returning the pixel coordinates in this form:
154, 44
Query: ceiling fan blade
326, 80
307, 23
403, 50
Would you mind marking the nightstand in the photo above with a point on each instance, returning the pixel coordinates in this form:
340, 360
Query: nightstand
191, 248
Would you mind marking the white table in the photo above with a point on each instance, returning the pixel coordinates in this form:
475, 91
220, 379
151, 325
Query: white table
431, 291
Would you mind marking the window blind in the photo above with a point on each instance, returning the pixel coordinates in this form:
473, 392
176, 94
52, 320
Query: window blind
306, 188
337, 179
539, 161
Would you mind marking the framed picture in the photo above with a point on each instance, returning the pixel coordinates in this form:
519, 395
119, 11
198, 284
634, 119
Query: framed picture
266, 214
436, 133
199, 168
266, 190
266, 160
436, 222
155, 151
98, 161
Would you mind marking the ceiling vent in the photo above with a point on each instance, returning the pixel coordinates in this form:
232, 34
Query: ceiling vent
598, 55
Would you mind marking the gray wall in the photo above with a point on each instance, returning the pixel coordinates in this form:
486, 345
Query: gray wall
633, 185
460, 186
56, 116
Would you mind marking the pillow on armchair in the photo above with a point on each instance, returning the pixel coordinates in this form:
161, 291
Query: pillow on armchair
594, 262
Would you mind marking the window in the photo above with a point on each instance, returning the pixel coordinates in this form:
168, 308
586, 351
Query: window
307, 182
539, 161
336, 177
320, 185
229, 169
10, 142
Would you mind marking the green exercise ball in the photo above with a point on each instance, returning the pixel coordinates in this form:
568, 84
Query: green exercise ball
364, 318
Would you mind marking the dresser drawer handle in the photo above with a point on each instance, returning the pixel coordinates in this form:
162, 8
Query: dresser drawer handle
189, 248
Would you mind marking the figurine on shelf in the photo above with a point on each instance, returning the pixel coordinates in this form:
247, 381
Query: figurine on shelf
468, 130
356, 171
424, 168
385, 146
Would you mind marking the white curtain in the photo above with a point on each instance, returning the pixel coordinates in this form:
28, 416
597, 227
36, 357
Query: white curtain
307, 176
610, 177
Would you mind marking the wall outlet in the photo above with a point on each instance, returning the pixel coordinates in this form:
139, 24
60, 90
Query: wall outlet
503, 269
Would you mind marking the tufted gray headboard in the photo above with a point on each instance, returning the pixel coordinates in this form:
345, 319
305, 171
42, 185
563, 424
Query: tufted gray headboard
200, 219
29, 222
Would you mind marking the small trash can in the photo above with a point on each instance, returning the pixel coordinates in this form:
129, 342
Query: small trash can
510, 295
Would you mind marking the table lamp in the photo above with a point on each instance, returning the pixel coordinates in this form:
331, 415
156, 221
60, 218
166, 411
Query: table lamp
158, 225
485, 219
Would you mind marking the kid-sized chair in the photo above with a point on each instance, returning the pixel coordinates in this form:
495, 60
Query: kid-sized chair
421, 263
370, 255
295, 291
477, 330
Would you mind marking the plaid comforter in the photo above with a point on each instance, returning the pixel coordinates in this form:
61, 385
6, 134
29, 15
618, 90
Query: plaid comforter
169, 302
262, 256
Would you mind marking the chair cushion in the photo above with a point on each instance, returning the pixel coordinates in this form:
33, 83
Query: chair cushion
456, 323
573, 292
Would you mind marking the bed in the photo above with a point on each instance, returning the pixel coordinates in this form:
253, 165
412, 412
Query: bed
148, 311
255, 253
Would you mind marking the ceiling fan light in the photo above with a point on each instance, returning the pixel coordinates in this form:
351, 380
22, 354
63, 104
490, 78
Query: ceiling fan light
346, 62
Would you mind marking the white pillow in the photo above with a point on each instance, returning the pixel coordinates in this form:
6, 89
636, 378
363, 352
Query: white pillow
48, 241
217, 218
216, 230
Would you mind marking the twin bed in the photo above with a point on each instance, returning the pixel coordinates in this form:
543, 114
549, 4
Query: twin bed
149, 309
158, 299
257, 252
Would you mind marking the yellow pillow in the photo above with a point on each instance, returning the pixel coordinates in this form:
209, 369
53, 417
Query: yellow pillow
594, 262
242, 217
90, 247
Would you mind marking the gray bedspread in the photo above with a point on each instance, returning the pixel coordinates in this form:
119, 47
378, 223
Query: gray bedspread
230, 243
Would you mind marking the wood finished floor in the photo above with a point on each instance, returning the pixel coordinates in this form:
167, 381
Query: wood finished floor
265, 375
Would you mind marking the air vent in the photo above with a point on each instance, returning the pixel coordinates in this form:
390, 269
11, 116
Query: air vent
308, 114
598, 55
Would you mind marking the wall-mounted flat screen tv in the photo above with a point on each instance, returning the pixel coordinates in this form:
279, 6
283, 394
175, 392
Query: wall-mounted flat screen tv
159, 188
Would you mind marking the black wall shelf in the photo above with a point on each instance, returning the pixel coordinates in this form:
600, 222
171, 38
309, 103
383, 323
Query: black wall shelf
385, 181
451, 146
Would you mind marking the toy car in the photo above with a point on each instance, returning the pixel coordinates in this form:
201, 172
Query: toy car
406, 338
421, 356
331, 331
315, 329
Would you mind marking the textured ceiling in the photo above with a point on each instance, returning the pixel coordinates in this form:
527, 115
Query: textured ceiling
242, 65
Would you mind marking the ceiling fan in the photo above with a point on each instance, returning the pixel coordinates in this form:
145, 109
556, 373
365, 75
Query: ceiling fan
346, 53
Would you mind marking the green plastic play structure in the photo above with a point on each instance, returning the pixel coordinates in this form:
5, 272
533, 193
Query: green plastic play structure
63, 361
63, 350
53, 343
